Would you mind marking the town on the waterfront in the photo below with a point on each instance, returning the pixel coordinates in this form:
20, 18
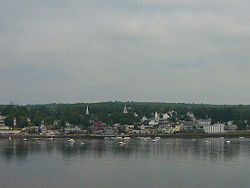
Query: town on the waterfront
122, 119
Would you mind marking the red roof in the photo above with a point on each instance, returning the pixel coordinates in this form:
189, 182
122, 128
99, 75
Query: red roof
98, 123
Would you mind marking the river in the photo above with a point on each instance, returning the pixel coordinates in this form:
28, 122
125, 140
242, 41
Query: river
96, 163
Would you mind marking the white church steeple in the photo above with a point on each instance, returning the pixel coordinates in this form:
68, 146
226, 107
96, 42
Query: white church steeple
125, 111
87, 110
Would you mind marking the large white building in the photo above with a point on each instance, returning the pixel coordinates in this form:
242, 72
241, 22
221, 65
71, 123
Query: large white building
201, 123
2, 124
215, 128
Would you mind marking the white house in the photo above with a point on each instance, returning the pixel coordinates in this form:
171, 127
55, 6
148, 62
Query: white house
144, 118
165, 116
75, 129
152, 122
203, 123
43, 129
2, 124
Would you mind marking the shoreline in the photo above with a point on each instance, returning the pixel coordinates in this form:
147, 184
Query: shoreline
93, 136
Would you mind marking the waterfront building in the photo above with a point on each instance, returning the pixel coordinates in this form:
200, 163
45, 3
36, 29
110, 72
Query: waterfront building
109, 131
165, 116
188, 125
230, 126
2, 123
201, 123
97, 127
144, 118
2, 118
43, 129
215, 128
165, 129
71, 129
177, 128
34, 129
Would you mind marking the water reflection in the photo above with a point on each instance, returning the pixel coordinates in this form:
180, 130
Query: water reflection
210, 148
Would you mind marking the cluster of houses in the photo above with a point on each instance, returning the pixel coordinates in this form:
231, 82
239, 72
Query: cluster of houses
161, 123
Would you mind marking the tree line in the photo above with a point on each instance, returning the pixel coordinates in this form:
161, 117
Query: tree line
112, 112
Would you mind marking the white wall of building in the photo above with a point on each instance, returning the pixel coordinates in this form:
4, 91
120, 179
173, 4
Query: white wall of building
215, 128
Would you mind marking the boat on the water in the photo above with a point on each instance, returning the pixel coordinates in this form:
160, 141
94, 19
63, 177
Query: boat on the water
118, 138
71, 140
121, 143
156, 139
126, 138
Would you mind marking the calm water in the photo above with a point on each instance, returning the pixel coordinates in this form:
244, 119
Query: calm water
103, 163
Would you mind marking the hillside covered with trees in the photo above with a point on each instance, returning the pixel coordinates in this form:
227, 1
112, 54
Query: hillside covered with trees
112, 112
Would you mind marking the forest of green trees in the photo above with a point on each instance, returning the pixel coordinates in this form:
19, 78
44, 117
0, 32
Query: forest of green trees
112, 112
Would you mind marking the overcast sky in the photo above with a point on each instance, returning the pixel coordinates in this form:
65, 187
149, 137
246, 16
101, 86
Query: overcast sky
193, 51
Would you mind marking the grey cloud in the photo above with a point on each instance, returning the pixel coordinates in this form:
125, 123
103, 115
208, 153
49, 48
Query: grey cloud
145, 50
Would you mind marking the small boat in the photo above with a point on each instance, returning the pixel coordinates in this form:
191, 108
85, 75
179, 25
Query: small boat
221, 137
206, 141
228, 141
118, 138
9, 138
122, 143
25, 139
71, 140
156, 139
193, 139
126, 138
106, 138
82, 143
241, 137
38, 141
